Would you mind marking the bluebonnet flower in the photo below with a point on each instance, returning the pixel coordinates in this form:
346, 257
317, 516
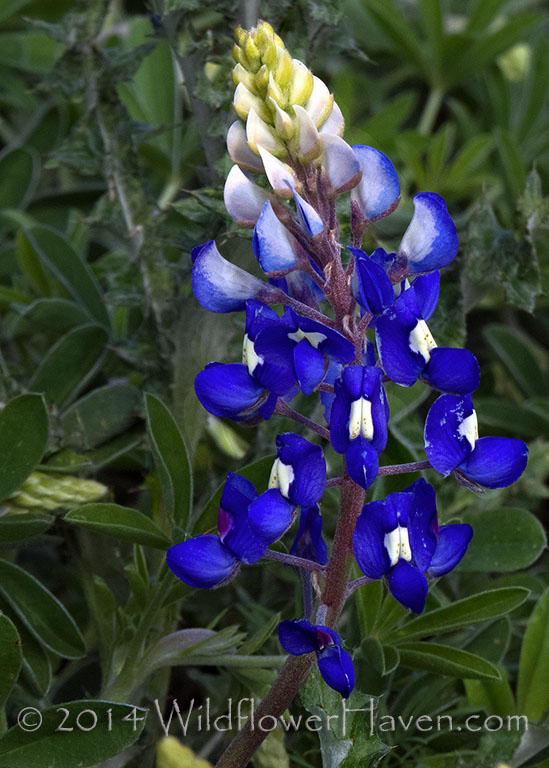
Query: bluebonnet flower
452, 443
378, 192
399, 538
208, 560
407, 349
299, 636
372, 287
358, 421
304, 347
308, 542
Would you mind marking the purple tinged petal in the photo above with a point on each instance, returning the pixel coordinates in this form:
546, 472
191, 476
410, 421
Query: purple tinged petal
431, 241
269, 516
378, 192
243, 199
340, 163
274, 247
362, 462
373, 523
452, 370
309, 542
375, 290
228, 390
408, 585
446, 443
496, 462
452, 544
309, 366
202, 562
238, 493
218, 285
426, 289
336, 667
297, 636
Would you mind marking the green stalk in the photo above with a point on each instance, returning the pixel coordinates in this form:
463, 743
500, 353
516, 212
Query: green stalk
430, 111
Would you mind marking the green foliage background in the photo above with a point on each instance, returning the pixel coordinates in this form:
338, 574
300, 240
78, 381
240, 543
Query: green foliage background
112, 123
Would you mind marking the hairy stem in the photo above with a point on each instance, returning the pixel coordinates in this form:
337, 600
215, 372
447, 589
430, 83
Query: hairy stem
283, 409
299, 562
401, 469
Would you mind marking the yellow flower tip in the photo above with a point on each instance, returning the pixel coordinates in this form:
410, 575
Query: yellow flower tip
240, 36
301, 83
170, 753
252, 54
283, 68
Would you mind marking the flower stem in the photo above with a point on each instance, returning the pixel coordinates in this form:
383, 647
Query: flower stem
281, 695
430, 111
299, 562
283, 409
401, 469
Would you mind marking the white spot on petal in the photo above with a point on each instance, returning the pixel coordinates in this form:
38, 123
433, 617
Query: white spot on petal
469, 429
421, 340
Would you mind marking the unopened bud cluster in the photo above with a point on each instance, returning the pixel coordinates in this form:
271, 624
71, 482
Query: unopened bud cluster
43, 491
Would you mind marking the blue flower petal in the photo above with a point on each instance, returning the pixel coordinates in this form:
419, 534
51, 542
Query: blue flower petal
426, 289
274, 247
452, 370
228, 390
336, 667
238, 493
309, 542
408, 585
496, 462
309, 218
373, 523
362, 462
431, 241
218, 285
297, 636
446, 444
327, 398
374, 287
308, 467
378, 192
309, 366
452, 544
201, 562
258, 317
331, 343
422, 523
393, 329
269, 516
340, 163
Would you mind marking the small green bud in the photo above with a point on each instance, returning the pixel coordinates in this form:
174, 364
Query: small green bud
262, 78
241, 75
240, 36
252, 54
301, 84
44, 491
274, 92
283, 122
260, 134
283, 68
244, 101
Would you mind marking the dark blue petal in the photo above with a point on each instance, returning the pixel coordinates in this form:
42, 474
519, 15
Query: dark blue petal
408, 585
309, 542
309, 366
496, 462
422, 523
327, 398
452, 544
373, 389
266, 410
302, 287
258, 317
334, 344
393, 329
339, 415
274, 247
373, 523
297, 636
336, 668
445, 445
426, 289
269, 516
228, 390
362, 462
238, 494
308, 466
379, 190
375, 289
218, 285
201, 562
431, 241
452, 370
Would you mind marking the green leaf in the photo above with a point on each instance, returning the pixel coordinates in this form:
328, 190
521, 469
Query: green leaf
24, 525
368, 602
24, 430
482, 14
172, 461
59, 257
19, 172
445, 660
257, 473
119, 523
11, 657
71, 363
42, 613
36, 670
399, 31
29, 51
506, 539
431, 16
118, 726
514, 349
532, 688
494, 696
462, 613
100, 415
49, 316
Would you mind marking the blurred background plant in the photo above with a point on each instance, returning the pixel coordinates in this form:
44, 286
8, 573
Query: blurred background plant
112, 123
